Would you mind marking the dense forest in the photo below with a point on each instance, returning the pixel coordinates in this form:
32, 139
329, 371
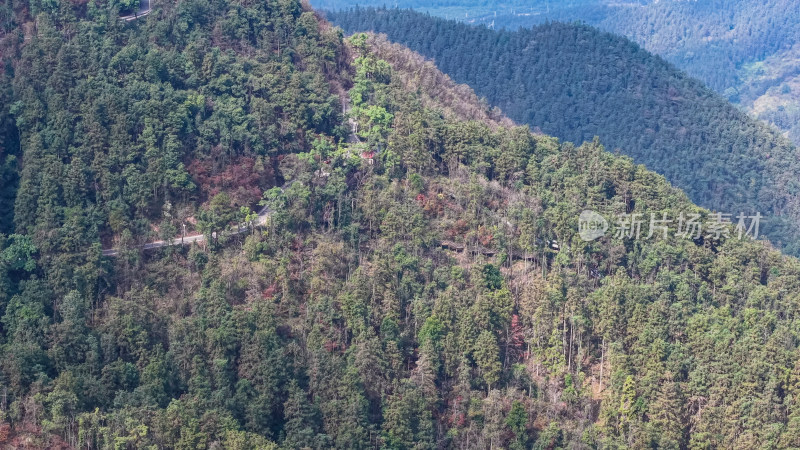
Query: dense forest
575, 82
420, 282
710, 39
746, 50
506, 14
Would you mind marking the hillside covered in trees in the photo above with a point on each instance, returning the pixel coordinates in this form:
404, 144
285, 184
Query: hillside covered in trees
575, 82
746, 50
711, 40
420, 283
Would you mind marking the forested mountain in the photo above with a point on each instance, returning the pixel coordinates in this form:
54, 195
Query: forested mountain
711, 40
505, 14
744, 49
575, 82
420, 283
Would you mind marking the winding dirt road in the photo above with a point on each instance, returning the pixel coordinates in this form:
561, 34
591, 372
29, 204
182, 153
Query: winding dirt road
144, 9
263, 215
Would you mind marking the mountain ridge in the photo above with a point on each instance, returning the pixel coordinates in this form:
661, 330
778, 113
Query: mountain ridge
737, 47
575, 82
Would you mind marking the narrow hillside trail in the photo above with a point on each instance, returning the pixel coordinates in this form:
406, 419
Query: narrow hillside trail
352, 138
263, 215
144, 9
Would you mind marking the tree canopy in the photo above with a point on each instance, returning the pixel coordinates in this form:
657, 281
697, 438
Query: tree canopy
575, 82
420, 283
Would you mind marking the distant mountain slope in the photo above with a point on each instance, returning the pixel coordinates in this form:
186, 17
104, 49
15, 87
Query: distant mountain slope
709, 39
740, 48
744, 49
575, 82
